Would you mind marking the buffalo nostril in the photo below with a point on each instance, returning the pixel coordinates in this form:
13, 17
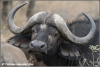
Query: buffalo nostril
42, 45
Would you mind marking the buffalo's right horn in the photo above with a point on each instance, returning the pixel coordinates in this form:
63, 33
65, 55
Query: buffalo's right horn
15, 29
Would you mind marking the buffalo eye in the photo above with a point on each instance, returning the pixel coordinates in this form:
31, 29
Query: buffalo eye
55, 34
33, 31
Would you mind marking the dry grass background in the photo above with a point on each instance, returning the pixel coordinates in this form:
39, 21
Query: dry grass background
69, 10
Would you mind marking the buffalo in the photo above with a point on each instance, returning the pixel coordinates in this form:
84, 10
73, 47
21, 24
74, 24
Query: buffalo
53, 41
11, 55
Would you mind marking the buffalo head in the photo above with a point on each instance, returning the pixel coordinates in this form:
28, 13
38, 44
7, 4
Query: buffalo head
47, 31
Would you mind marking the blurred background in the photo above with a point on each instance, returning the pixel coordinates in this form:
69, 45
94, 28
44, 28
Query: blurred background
69, 10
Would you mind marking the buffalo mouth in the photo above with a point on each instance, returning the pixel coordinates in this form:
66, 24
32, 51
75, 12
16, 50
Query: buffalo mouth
37, 54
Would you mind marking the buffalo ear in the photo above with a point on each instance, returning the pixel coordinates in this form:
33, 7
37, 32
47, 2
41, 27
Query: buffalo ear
69, 50
20, 41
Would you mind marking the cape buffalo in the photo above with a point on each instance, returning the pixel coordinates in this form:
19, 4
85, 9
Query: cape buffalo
11, 55
49, 39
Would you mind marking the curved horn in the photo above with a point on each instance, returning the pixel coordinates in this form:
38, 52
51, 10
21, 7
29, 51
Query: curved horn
15, 29
61, 26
